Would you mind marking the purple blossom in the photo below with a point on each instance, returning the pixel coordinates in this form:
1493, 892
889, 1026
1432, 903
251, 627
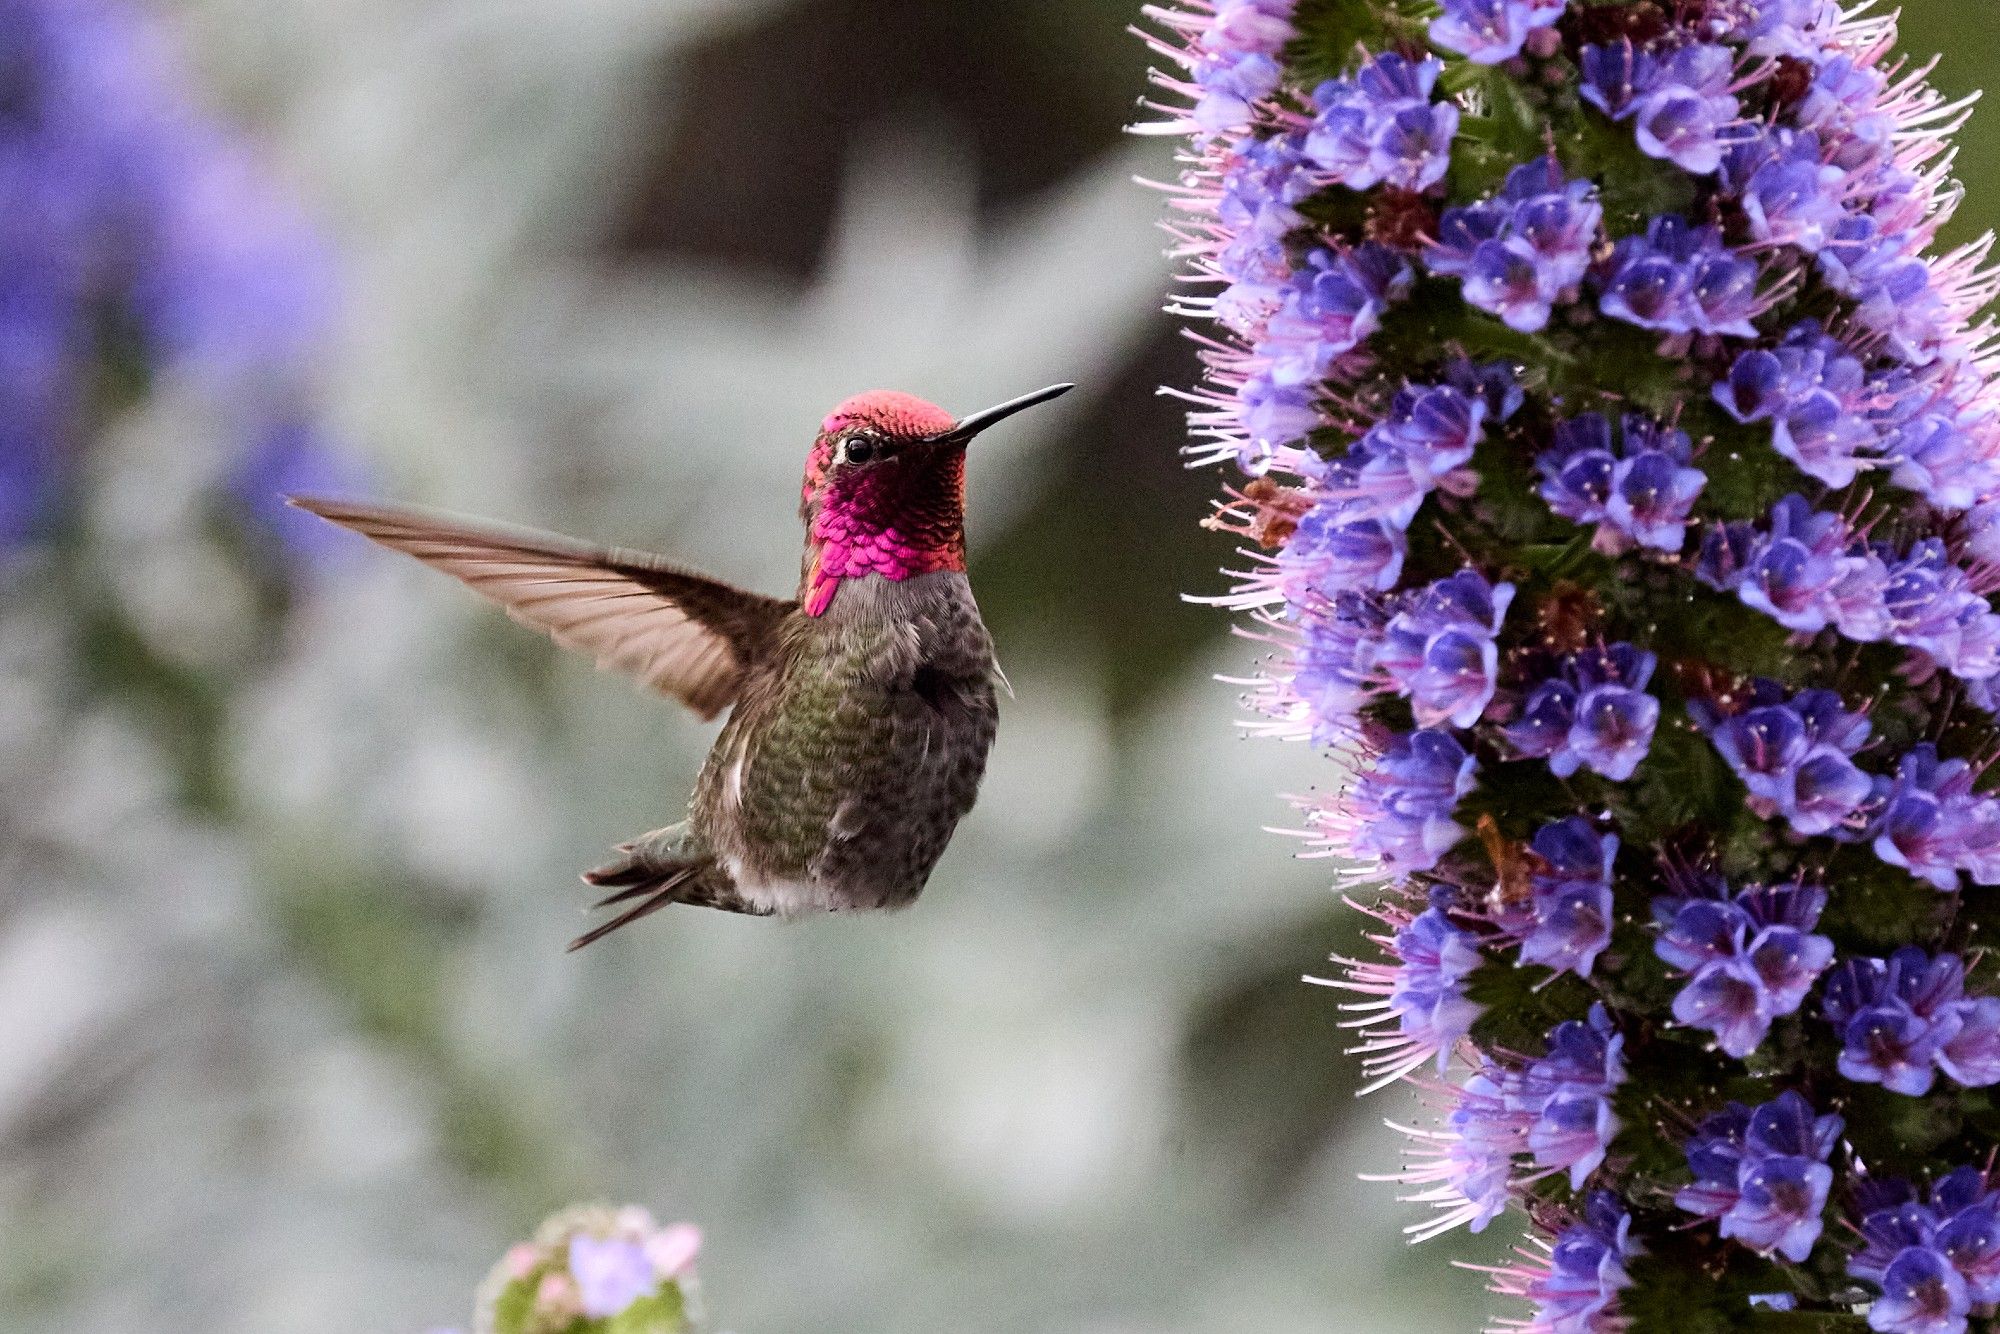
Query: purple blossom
1793, 756
1902, 1018
1487, 32
1762, 1173
1789, 195
1596, 715
1932, 824
1586, 1269
1417, 1010
1440, 650
1640, 495
1525, 250
1681, 279
1750, 957
1933, 1260
1334, 663
1330, 306
1428, 998
1330, 554
1921, 1294
1679, 103
1568, 1095
1429, 434
1381, 127
1571, 897
1816, 395
1403, 804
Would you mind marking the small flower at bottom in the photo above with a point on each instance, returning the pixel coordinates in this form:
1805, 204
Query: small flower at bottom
591, 1264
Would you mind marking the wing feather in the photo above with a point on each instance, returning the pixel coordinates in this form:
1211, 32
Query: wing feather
679, 632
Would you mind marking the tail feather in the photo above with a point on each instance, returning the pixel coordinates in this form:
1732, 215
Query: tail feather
658, 870
654, 892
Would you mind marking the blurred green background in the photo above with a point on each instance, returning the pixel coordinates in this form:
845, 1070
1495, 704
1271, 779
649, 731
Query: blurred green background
291, 1040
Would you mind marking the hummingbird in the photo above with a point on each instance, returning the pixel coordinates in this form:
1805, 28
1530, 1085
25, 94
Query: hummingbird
862, 709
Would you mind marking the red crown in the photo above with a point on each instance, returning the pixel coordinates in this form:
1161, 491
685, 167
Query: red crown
891, 412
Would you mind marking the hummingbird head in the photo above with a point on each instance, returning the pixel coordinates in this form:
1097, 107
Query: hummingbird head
884, 489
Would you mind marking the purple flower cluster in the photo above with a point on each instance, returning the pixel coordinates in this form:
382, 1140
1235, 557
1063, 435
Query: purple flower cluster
1401, 807
1566, 1097
1904, 1018
1586, 1271
1638, 495
1428, 997
1256, 208
1441, 650
1333, 661
1235, 62
1934, 825
1380, 127
1487, 32
1795, 757
1324, 310
1750, 957
1596, 714
1555, 1111
1809, 570
1679, 102
1569, 913
1524, 251
1935, 1261
1763, 1172
1790, 194
1377, 486
1817, 396
1678, 278
127, 204
1417, 1010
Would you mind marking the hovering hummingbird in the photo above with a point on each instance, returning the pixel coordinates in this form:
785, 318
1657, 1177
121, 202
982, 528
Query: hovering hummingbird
863, 708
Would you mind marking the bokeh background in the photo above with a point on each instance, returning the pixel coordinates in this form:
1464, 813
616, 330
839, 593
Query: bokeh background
289, 829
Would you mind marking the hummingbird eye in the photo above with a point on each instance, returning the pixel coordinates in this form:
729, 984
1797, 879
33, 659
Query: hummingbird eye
860, 449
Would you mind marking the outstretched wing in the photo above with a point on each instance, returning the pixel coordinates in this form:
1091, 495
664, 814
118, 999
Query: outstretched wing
681, 633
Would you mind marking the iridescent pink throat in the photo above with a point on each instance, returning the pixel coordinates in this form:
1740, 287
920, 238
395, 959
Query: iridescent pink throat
902, 520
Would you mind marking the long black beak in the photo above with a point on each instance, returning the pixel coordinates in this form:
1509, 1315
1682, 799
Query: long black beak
970, 426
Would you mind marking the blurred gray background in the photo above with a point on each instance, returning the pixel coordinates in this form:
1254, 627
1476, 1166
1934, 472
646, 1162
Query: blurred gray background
311, 1065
